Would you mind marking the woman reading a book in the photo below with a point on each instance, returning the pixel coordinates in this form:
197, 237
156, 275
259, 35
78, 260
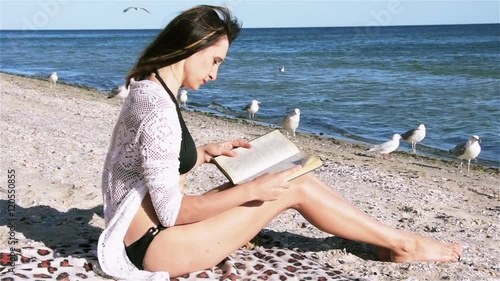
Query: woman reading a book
153, 227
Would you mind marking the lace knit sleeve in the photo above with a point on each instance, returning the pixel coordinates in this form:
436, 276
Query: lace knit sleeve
160, 138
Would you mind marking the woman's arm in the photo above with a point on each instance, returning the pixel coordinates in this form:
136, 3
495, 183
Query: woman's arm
267, 187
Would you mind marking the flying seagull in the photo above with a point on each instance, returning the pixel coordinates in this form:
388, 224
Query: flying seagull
252, 108
136, 8
414, 135
467, 150
387, 147
291, 122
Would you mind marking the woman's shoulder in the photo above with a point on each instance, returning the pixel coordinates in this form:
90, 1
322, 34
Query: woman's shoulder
150, 94
146, 87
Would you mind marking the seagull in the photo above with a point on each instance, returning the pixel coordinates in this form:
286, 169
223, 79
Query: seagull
52, 79
467, 150
135, 8
121, 91
182, 97
291, 122
387, 147
282, 69
252, 108
414, 135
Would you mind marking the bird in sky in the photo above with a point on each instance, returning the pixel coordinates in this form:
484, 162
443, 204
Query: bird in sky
136, 8
414, 135
291, 122
252, 108
182, 97
467, 151
386, 147
53, 79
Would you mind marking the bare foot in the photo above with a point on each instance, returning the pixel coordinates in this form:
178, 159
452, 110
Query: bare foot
419, 248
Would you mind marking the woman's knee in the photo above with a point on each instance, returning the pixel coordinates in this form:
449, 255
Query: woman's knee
301, 188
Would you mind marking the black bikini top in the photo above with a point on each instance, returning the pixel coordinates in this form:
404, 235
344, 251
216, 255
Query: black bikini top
188, 154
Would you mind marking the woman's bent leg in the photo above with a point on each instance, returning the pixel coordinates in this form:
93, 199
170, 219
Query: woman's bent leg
188, 248
192, 247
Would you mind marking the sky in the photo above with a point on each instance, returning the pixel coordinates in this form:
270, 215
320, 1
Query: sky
72, 14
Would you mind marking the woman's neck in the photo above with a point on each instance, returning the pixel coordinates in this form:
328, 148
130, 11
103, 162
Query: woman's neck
171, 75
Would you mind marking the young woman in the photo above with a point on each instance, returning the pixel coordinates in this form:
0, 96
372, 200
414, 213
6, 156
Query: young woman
153, 227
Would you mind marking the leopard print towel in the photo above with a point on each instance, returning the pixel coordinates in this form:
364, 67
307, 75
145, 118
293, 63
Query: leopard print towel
265, 261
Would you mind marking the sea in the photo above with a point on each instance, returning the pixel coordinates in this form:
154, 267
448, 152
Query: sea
355, 84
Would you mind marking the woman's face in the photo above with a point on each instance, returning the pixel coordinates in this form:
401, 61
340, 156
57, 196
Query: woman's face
203, 66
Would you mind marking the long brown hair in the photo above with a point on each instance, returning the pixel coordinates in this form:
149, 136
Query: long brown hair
191, 31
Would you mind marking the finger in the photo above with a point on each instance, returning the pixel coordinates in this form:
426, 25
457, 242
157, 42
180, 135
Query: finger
227, 145
241, 143
286, 174
286, 185
230, 153
291, 170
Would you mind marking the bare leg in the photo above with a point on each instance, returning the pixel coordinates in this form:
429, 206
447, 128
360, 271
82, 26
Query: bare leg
348, 220
197, 246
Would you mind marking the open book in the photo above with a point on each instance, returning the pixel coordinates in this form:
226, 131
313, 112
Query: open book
272, 152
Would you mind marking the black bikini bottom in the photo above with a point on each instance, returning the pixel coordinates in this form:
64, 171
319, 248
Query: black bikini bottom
137, 250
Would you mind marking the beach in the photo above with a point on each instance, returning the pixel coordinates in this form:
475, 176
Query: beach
54, 141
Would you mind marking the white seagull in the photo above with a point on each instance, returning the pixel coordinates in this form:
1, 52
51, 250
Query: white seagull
252, 108
121, 91
282, 69
135, 8
467, 151
414, 135
291, 122
387, 147
53, 79
182, 97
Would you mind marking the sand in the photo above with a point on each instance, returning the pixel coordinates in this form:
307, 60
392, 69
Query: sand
55, 139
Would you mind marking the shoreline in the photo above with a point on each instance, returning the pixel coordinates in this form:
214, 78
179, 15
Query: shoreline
438, 155
56, 140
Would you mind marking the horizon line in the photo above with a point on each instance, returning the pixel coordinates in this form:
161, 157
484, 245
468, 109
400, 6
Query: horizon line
275, 27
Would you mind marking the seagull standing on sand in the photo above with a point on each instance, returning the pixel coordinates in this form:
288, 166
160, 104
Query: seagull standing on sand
387, 147
135, 8
121, 91
291, 122
413, 136
182, 97
467, 151
53, 79
252, 108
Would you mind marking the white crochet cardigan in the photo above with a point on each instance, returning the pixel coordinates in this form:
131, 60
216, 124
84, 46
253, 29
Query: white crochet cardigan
142, 157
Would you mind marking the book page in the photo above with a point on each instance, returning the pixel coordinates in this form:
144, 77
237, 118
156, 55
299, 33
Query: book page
298, 159
266, 151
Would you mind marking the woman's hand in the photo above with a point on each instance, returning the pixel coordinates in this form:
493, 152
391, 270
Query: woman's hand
222, 148
270, 186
